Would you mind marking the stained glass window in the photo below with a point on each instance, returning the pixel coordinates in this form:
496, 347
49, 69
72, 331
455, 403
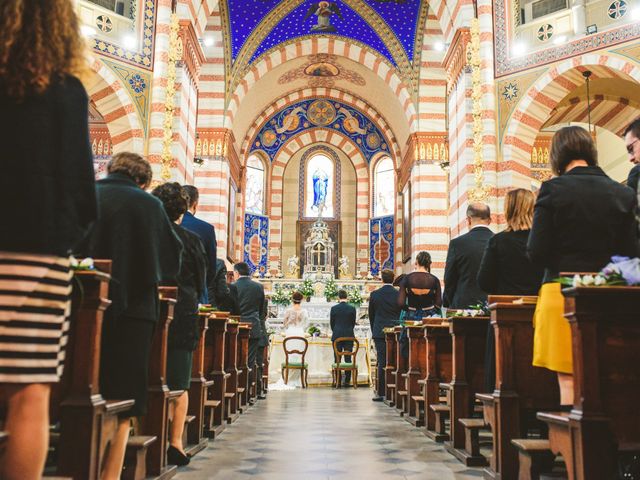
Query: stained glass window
254, 196
320, 186
384, 188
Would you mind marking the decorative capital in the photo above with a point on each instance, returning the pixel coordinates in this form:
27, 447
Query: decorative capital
191, 52
423, 147
456, 58
219, 143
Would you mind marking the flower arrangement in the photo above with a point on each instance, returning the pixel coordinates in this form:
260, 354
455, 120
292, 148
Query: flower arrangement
481, 309
620, 271
84, 264
307, 288
314, 330
280, 296
354, 297
331, 290
206, 308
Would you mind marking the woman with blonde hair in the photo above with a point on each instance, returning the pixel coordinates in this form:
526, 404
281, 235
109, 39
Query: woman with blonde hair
505, 268
47, 201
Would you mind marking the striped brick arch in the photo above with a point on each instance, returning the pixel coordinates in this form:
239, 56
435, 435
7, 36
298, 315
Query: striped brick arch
117, 109
335, 46
332, 94
539, 101
339, 142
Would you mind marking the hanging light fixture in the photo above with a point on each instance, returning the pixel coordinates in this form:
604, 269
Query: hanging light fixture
587, 75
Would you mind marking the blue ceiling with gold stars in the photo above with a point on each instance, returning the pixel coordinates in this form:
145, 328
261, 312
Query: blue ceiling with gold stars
334, 17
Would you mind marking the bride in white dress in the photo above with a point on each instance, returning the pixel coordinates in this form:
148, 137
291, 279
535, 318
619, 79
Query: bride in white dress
294, 323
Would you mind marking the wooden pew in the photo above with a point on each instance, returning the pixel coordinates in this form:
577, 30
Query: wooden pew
265, 370
417, 371
214, 363
198, 392
439, 366
390, 368
244, 331
521, 389
469, 337
605, 328
230, 366
87, 421
400, 394
156, 421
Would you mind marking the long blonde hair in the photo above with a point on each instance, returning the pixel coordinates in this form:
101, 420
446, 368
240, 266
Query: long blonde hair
518, 209
39, 42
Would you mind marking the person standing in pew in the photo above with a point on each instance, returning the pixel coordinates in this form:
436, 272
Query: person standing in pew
207, 234
224, 300
419, 297
384, 312
250, 298
581, 219
342, 320
183, 330
461, 289
47, 201
133, 231
505, 268
632, 143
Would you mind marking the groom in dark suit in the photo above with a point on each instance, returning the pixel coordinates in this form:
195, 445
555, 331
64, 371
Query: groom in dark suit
461, 289
250, 297
342, 320
384, 312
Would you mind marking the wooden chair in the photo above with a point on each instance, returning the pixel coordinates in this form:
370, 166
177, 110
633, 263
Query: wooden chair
341, 366
301, 365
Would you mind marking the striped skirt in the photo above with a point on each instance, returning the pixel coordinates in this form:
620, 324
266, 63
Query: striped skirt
35, 302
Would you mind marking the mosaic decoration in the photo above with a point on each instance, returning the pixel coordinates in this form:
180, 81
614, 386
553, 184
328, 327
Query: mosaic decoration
617, 9
322, 70
104, 23
381, 244
545, 32
137, 83
505, 64
256, 239
298, 24
308, 114
510, 92
142, 58
334, 17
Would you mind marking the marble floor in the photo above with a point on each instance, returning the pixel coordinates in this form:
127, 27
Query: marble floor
320, 433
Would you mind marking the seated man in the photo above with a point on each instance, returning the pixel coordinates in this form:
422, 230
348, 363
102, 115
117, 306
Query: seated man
342, 322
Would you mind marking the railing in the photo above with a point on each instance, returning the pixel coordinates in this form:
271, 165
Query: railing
102, 17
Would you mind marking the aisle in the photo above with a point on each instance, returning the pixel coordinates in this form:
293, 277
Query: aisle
323, 434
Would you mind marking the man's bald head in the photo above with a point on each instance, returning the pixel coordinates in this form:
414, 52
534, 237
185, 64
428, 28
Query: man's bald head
478, 214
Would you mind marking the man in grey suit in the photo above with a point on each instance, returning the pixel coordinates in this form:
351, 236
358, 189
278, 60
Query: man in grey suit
250, 298
461, 289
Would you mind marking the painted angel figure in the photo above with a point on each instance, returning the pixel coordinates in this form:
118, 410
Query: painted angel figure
324, 11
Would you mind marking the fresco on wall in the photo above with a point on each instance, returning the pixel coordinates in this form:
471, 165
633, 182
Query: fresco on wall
381, 244
256, 240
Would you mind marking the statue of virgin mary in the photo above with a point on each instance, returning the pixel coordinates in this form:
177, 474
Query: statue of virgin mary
320, 188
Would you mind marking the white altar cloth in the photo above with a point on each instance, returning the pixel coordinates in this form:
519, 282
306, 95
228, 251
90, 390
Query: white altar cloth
319, 357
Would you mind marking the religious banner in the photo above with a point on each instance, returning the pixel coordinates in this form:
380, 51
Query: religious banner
256, 228
381, 244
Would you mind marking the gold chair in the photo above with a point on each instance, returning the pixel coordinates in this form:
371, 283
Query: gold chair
301, 365
340, 365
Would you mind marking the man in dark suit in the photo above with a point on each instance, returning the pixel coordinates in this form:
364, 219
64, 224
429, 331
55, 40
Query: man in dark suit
250, 297
384, 312
224, 300
207, 234
461, 289
342, 320
632, 143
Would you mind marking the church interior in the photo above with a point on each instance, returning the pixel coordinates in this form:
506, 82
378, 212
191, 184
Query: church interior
331, 141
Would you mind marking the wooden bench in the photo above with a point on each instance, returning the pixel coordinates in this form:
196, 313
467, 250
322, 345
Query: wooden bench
214, 368
389, 370
230, 366
400, 369
242, 361
417, 371
439, 358
534, 457
265, 370
521, 389
604, 420
469, 337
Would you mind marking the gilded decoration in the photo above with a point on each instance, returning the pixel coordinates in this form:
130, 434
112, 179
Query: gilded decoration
137, 84
456, 58
423, 147
509, 93
321, 113
219, 142
540, 167
143, 57
322, 70
174, 56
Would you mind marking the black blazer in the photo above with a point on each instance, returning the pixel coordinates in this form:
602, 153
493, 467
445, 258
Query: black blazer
580, 220
47, 186
207, 234
384, 310
634, 176
342, 320
505, 268
461, 289
251, 304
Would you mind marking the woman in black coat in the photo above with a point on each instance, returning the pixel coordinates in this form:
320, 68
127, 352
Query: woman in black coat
505, 268
47, 201
581, 219
183, 330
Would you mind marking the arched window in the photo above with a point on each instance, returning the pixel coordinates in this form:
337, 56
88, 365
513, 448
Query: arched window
384, 188
320, 186
254, 196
